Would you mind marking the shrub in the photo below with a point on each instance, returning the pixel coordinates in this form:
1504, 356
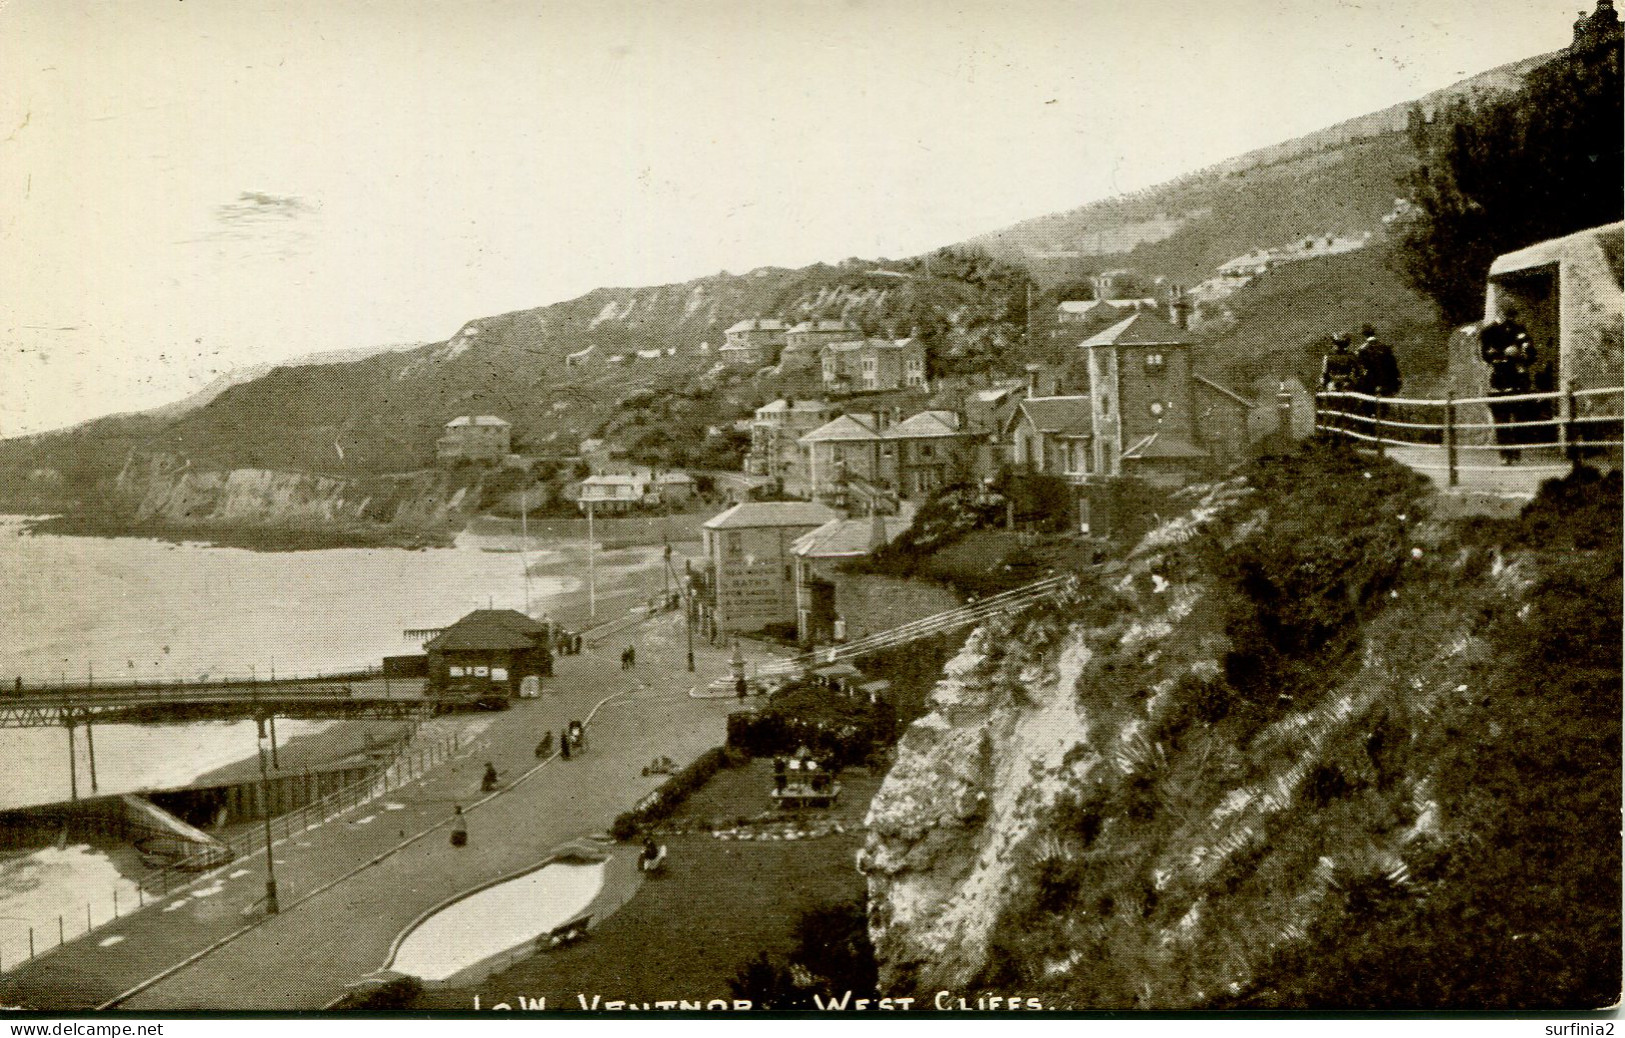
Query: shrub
395, 993
671, 794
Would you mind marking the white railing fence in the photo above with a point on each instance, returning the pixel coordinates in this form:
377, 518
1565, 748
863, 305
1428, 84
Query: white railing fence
1563, 426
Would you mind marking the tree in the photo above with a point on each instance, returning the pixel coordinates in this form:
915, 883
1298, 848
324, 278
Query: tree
1499, 174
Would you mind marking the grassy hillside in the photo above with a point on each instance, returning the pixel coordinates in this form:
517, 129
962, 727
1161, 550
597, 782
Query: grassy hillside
383, 414
1337, 180
1399, 789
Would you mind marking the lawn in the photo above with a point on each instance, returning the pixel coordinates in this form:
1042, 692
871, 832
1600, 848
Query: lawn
685, 934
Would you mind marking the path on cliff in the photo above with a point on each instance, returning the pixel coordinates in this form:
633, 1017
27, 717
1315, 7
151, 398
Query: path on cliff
341, 913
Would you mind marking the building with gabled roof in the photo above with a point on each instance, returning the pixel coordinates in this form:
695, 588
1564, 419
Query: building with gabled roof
909, 458
1053, 434
874, 365
474, 437
754, 342
489, 652
1153, 415
749, 569
820, 552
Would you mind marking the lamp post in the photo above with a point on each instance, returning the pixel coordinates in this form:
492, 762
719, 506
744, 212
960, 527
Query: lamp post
265, 808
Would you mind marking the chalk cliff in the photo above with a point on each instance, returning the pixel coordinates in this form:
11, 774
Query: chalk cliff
1235, 750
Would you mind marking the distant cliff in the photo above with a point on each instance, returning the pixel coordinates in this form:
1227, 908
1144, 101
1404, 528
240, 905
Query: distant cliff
1304, 747
165, 496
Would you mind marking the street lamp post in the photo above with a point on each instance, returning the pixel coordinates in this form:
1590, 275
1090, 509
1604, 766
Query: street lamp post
265, 808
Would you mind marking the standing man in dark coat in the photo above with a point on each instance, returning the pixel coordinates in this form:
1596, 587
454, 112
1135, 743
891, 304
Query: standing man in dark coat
1505, 346
1379, 371
1379, 375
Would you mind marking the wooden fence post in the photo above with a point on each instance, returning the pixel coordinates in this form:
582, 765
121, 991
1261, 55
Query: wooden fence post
1565, 428
1450, 436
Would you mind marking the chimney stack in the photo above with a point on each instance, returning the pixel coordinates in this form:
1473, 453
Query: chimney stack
1178, 308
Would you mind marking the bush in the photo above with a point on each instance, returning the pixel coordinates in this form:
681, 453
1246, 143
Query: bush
832, 956
670, 795
396, 993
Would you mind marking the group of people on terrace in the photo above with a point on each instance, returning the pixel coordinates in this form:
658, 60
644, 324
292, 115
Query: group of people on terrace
1506, 349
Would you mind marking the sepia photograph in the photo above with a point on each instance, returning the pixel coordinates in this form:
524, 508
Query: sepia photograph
1097, 508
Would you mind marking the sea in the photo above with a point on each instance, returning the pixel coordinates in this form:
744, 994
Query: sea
116, 610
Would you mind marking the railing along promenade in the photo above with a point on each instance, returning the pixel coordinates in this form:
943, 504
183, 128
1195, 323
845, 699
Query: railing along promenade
967, 615
1572, 422
411, 759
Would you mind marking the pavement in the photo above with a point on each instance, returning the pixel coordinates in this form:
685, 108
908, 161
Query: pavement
349, 886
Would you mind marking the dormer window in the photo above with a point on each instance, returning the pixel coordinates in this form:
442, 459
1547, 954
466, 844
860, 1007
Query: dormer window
1154, 363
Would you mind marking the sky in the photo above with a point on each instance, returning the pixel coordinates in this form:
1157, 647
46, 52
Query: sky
193, 186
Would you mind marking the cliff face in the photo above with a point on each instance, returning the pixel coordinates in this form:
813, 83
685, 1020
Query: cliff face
163, 492
1229, 752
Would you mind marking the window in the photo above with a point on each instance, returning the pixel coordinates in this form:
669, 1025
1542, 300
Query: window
482, 671
736, 544
455, 672
1154, 363
925, 450
499, 673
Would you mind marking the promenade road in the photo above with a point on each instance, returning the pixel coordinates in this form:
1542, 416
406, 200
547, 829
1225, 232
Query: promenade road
349, 887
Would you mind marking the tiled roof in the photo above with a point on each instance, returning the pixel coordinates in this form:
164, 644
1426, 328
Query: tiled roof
846, 427
844, 538
825, 326
1059, 415
924, 424
758, 324
1143, 329
493, 629
752, 514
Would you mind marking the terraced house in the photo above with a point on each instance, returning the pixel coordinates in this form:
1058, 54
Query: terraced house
857, 457
874, 365
754, 342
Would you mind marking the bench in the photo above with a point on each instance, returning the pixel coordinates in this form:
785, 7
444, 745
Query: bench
566, 933
806, 796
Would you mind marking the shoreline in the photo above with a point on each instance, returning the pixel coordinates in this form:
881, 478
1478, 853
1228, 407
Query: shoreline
611, 532
250, 538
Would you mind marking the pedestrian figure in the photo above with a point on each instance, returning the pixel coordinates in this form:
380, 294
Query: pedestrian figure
740, 687
1504, 345
1339, 373
631, 657
564, 744
489, 782
545, 747
19, 684
1379, 371
1378, 375
1338, 370
459, 827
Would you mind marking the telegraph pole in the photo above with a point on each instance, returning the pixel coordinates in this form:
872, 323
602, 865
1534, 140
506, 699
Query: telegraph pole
592, 584
265, 811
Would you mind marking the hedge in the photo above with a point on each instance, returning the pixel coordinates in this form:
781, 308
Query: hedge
659, 804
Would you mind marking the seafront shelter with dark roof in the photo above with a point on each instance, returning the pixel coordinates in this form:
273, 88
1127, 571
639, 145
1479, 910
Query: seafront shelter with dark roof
489, 652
